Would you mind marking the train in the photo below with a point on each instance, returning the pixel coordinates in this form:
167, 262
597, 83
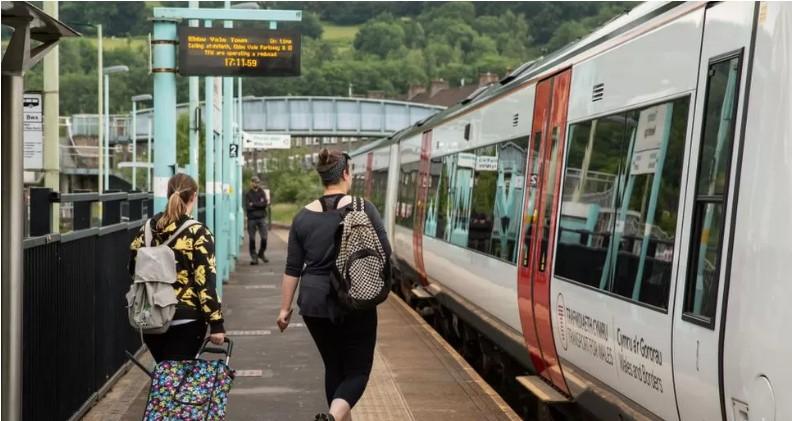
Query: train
608, 226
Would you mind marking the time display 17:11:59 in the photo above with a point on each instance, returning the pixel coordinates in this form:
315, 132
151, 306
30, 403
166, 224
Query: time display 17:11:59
240, 62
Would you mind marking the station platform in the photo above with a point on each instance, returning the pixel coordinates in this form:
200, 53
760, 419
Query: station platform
416, 375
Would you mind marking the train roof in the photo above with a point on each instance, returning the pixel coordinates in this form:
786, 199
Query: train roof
531, 70
381, 142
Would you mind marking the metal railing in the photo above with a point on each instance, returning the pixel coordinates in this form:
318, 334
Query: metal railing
75, 328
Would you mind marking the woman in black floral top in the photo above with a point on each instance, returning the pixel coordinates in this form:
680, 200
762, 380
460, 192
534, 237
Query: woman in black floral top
196, 276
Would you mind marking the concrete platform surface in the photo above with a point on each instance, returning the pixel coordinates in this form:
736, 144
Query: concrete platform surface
416, 375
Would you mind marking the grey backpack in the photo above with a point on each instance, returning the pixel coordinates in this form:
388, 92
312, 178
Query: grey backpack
151, 300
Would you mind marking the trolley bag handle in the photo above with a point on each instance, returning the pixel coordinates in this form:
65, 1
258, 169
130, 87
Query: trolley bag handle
216, 350
139, 364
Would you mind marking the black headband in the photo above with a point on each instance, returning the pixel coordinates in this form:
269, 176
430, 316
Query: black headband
333, 174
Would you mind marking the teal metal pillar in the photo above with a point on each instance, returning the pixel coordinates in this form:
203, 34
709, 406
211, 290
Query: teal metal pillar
240, 183
209, 159
194, 130
228, 134
163, 47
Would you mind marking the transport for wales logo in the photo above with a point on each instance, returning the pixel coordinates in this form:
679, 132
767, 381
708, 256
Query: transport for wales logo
561, 319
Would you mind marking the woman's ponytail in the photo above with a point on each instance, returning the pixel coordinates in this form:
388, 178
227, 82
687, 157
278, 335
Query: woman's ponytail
181, 188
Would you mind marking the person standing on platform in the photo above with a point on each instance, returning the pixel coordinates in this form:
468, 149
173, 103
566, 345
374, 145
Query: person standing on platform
193, 247
256, 207
345, 338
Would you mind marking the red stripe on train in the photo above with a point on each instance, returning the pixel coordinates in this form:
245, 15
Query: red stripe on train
543, 188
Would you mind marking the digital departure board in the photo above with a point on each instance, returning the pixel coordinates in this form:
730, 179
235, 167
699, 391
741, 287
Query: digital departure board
238, 52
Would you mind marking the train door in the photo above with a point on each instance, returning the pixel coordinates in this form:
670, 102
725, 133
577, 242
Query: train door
421, 194
542, 184
699, 308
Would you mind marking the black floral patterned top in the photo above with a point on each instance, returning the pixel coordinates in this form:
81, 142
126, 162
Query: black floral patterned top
195, 268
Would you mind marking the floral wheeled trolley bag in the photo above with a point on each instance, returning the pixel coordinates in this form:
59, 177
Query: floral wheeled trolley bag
190, 390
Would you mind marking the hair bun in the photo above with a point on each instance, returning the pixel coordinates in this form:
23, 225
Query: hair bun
324, 156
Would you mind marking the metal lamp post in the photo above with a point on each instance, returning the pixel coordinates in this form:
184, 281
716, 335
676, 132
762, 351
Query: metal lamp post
135, 100
106, 146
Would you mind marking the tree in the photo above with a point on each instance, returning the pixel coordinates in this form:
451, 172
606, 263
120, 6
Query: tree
118, 18
453, 32
482, 45
455, 10
379, 38
566, 33
414, 35
439, 54
310, 25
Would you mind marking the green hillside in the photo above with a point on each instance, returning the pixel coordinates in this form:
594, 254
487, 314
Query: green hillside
384, 46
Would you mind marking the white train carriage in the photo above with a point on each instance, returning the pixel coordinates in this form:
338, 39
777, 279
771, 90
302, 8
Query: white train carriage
615, 217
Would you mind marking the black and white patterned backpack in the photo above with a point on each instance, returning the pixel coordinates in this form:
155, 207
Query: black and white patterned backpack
359, 277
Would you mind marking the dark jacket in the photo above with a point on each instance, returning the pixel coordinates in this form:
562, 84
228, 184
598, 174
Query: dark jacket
195, 269
311, 257
256, 203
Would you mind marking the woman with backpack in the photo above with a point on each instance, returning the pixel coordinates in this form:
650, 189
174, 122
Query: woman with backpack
193, 247
345, 337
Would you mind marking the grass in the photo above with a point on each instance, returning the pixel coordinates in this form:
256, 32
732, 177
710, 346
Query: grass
339, 34
283, 213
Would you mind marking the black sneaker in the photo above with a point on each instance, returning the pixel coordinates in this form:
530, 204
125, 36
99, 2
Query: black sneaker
254, 262
324, 417
262, 256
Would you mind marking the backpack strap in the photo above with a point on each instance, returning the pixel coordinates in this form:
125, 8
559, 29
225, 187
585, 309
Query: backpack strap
328, 205
188, 223
147, 233
337, 200
358, 204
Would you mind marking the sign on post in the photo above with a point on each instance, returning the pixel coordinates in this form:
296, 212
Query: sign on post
33, 134
233, 151
238, 52
267, 141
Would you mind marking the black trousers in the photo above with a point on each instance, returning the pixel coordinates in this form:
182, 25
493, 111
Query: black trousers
257, 225
347, 349
180, 342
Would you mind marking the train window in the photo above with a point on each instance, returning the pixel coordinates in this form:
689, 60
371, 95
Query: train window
497, 198
594, 161
379, 188
485, 176
714, 162
408, 177
459, 172
358, 184
434, 224
647, 215
508, 200
620, 201
475, 198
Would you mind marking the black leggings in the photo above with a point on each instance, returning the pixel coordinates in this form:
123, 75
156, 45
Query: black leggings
347, 349
179, 343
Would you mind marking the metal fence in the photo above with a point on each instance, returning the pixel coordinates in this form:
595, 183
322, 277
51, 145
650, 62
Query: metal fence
75, 328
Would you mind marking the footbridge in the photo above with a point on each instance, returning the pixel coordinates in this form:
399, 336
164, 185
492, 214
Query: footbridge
295, 115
